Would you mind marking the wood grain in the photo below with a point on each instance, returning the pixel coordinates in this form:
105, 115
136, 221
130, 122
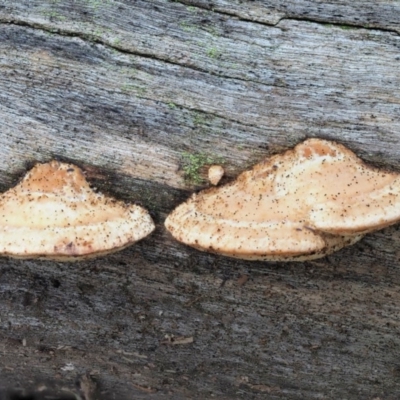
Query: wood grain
127, 90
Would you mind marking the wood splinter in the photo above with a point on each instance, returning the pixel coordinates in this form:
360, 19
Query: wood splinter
54, 214
300, 205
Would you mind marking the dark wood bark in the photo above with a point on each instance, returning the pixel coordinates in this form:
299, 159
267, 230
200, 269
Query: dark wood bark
130, 90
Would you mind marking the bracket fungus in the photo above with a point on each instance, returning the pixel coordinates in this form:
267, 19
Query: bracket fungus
300, 205
54, 214
215, 174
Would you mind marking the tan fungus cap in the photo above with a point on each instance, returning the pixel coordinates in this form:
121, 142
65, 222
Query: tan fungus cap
215, 174
299, 205
53, 213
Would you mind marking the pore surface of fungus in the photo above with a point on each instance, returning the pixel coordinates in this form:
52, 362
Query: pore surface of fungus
302, 204
53, 213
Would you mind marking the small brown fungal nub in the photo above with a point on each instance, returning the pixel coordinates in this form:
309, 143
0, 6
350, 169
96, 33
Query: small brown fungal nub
53, 213
215, 174
302, 204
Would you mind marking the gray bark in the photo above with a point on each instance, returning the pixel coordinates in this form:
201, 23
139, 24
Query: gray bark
126, 90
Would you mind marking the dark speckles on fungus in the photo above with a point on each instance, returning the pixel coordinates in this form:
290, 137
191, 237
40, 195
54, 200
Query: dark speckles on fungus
53, 213
312, 201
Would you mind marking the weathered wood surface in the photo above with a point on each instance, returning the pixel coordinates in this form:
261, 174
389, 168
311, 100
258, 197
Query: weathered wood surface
126, 89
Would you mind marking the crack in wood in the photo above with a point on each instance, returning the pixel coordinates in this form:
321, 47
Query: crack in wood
94, 39
287, 17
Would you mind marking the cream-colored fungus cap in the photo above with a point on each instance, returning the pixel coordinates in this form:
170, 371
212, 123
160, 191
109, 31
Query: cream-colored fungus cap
54, 214
299, 205
215, 174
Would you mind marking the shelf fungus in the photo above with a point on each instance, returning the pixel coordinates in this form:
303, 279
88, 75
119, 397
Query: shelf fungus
54, 214
300, 205
215, 174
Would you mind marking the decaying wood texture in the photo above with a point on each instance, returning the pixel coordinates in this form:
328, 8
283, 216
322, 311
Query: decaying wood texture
144, 95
